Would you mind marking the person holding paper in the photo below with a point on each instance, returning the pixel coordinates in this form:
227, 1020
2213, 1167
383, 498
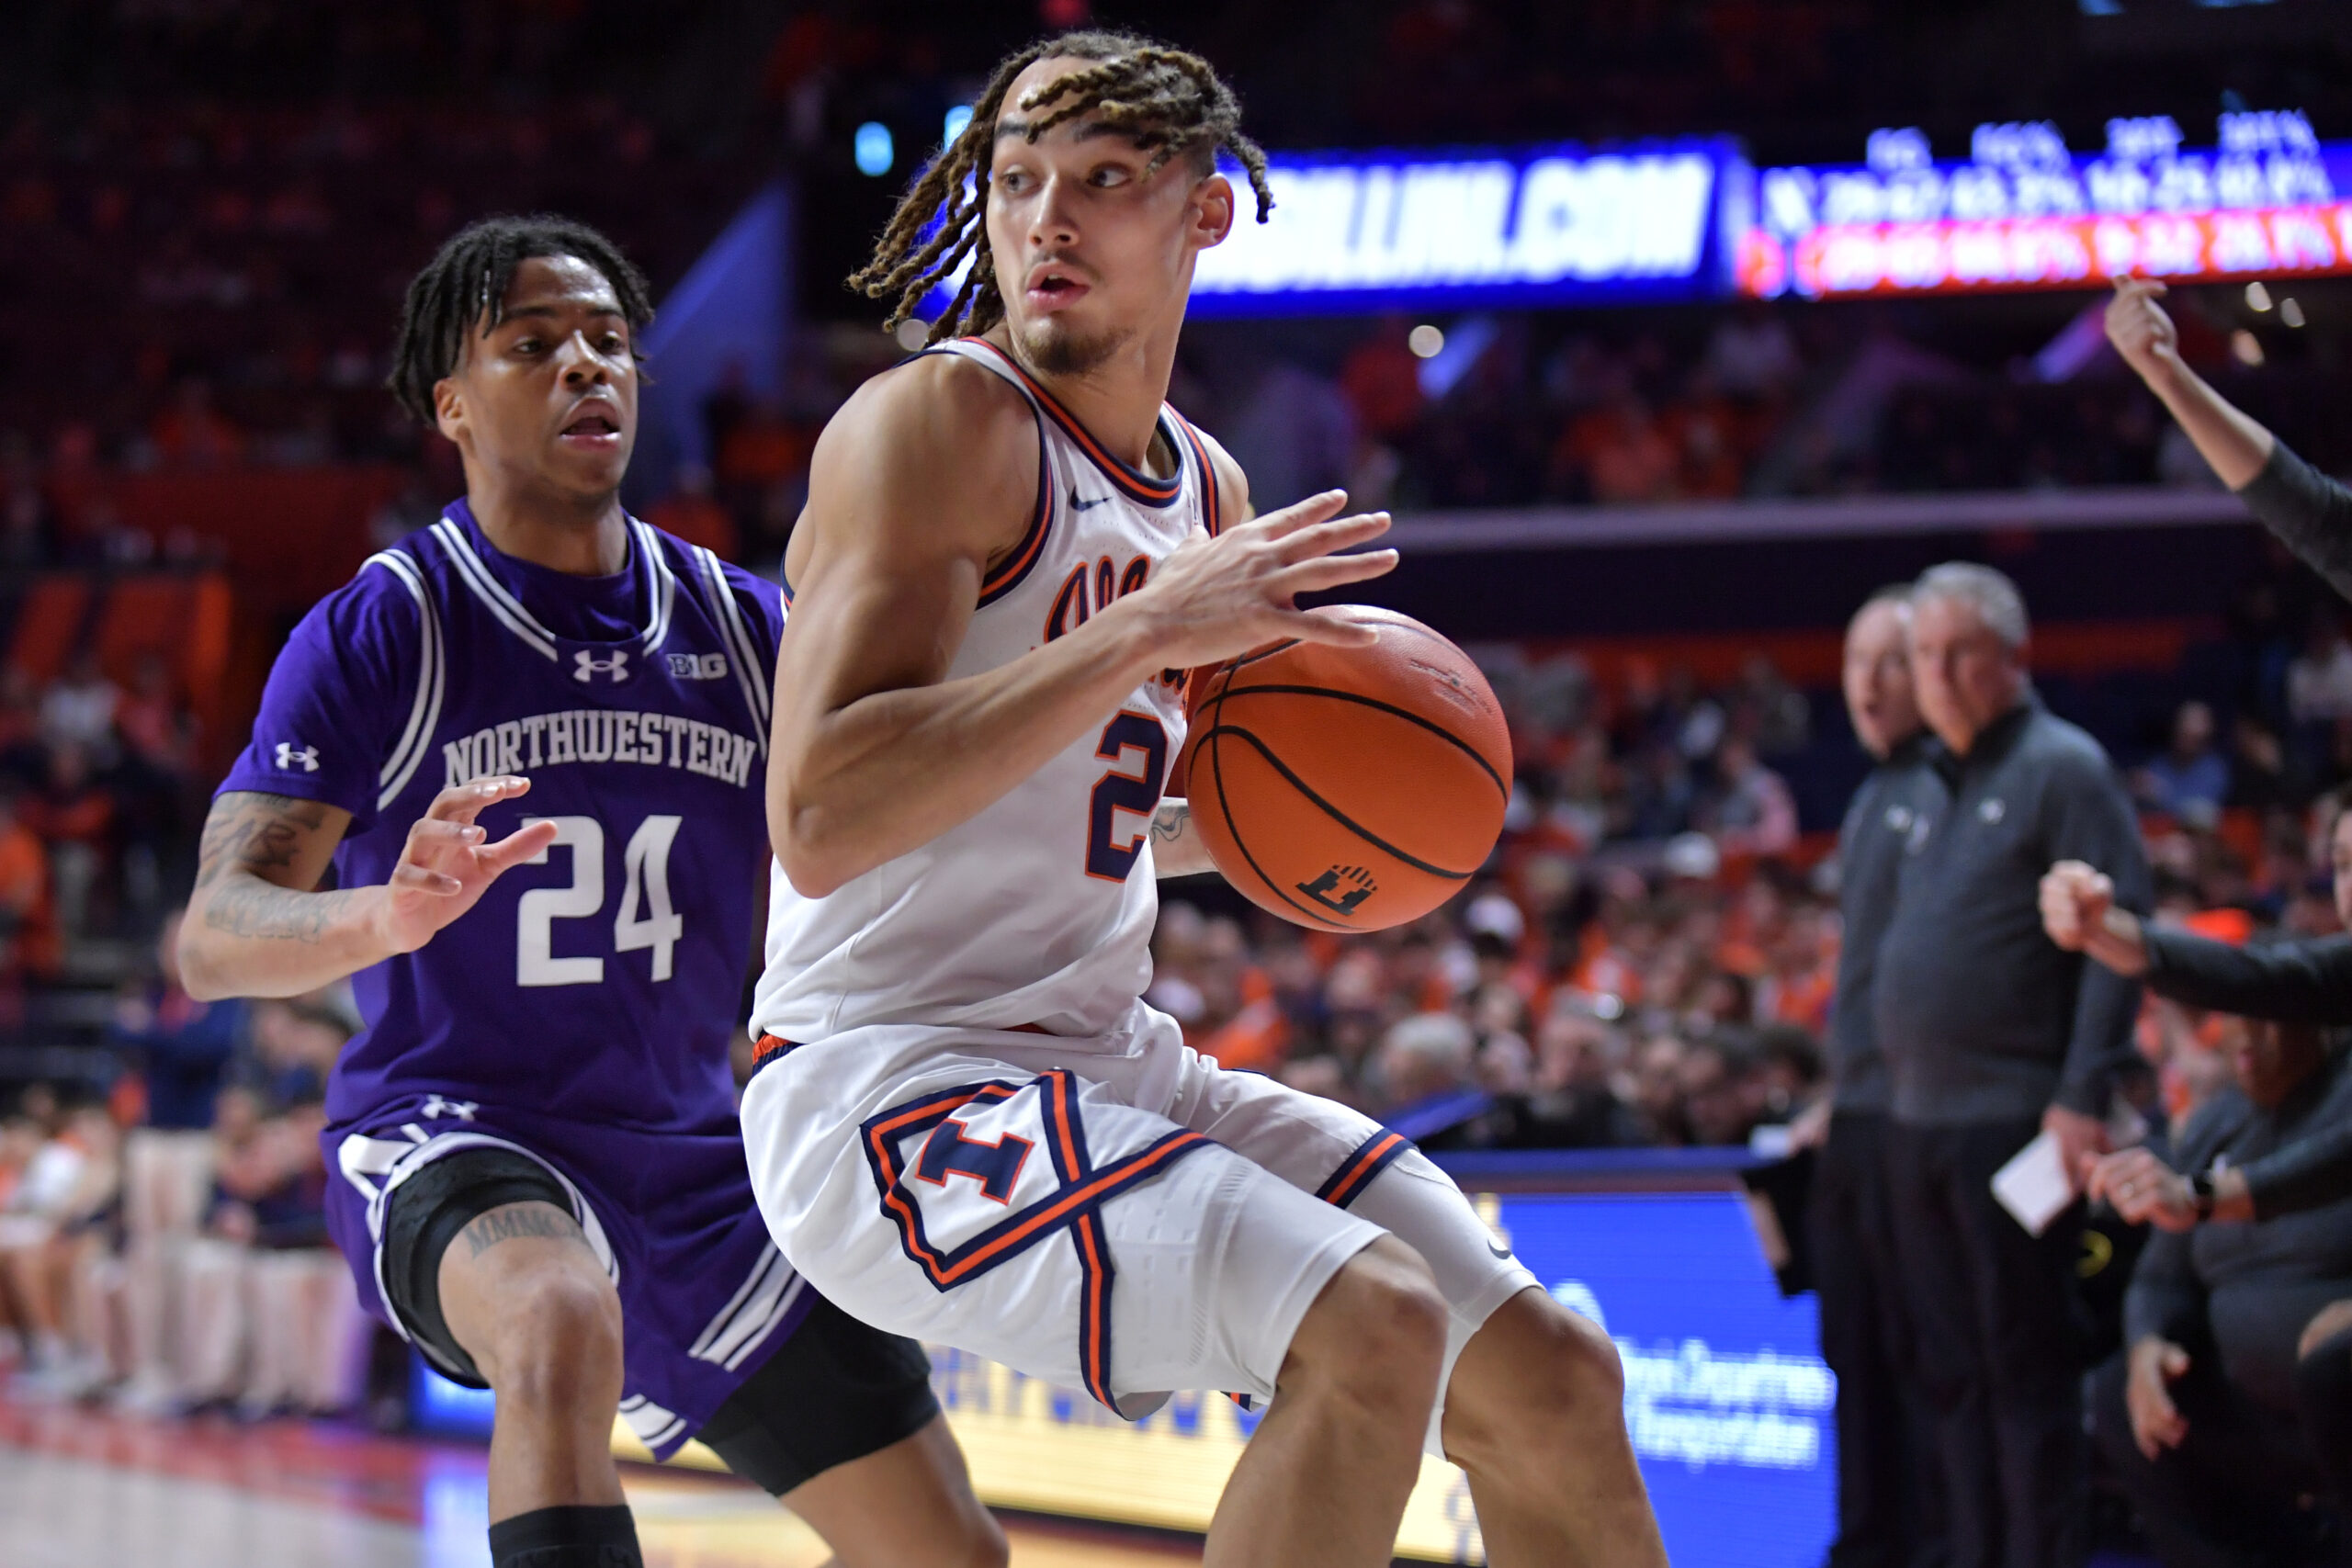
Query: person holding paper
2226, 1405
1994, 1037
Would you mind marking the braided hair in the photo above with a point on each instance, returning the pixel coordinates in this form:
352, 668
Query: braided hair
465, 284
1171, 102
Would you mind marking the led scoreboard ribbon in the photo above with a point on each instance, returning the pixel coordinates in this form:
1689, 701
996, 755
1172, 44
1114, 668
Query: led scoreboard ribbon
1691, 220
1528, 226
2024, 213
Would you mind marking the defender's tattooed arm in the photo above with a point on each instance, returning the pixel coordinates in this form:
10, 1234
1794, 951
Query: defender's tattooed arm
256, 926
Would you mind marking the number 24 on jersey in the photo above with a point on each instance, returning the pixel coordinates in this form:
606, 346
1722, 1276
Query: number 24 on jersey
646, 919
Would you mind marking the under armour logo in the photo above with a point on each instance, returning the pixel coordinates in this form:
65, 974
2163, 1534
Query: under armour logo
696, 666
585, 664
290, 757
1077, 506
1321, 890
463, 1110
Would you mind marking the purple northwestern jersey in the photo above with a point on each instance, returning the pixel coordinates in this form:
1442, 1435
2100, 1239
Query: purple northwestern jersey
582, 1012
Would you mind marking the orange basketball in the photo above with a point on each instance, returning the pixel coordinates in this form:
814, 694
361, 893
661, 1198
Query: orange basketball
1349, 789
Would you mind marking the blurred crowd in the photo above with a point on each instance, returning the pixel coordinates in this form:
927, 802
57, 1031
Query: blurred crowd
163, 1241
100, 793
210, 283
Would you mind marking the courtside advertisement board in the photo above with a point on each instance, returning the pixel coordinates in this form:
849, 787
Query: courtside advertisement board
1726, 1397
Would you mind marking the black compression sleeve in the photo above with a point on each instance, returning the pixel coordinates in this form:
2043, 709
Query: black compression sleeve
2310, 513
578, 1537
2307, 981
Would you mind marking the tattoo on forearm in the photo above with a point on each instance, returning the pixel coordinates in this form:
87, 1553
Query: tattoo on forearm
1172, 821
541, 1220
248, 906
255, 832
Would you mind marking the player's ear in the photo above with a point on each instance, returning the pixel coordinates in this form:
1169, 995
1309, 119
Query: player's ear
449, 407
1211, 210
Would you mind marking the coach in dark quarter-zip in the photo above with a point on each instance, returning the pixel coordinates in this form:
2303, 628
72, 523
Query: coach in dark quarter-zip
1992, 1034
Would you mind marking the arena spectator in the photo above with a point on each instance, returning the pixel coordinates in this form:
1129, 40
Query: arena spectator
182, 1048
46, 1240
1889, 1495
29, 945
1381, 382
78, 709
2319, 681
1750, 812
74, 816
2190, 778
270, 1312
1993, 1035
2199, 1415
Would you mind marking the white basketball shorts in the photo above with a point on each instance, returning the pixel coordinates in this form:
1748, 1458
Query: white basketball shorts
1119, 1213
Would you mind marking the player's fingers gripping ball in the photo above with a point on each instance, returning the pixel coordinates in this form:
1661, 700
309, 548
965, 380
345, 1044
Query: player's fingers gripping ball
1349, 789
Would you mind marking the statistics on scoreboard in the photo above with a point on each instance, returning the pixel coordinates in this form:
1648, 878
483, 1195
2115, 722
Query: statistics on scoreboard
2025, 211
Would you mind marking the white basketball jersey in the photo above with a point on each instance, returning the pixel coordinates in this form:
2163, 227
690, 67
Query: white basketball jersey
1038, 910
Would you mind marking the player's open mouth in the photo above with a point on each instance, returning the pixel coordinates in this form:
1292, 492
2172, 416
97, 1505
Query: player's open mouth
593, 429
1051, 289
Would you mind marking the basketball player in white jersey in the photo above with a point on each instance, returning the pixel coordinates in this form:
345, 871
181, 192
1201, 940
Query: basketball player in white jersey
965, 1125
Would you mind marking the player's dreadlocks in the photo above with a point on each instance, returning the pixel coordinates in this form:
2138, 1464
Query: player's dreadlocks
1171, 101
464, 287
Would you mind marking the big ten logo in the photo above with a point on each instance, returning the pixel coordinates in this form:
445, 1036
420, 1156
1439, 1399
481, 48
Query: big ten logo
1091, 586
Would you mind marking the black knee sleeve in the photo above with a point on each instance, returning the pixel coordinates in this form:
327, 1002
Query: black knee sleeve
566, 1538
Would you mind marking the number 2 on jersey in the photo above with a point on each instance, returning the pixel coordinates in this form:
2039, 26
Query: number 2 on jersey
646, 919
1106, 856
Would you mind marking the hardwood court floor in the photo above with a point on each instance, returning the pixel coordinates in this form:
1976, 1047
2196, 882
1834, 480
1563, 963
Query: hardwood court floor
80, 1489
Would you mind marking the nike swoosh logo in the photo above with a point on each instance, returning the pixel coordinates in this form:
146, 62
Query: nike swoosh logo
1077, 506
1501, 1252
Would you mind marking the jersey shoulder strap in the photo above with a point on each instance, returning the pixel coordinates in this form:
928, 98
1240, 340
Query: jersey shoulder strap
432, 675
1013, 569
755, 666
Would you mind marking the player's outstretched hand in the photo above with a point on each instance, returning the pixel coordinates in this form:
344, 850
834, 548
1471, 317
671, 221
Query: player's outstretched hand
1217, 598
2141, 331
448, 862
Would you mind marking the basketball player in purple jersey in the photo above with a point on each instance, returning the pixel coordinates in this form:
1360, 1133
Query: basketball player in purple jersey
966, 1124
529, 739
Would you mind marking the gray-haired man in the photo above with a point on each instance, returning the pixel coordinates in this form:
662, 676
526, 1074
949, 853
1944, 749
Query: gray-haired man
1992, 1034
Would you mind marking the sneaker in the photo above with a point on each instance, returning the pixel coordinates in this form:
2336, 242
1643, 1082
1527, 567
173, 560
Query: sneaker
146, 1394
